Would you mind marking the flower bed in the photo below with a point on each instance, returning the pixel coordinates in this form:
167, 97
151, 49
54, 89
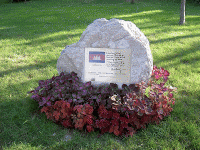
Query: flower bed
73, 104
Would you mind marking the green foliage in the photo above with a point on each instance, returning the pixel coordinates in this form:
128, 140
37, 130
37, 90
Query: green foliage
187, 2
4, 1
192, 1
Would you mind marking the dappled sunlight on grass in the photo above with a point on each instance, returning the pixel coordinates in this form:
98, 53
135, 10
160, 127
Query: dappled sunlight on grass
6, 27
139, 14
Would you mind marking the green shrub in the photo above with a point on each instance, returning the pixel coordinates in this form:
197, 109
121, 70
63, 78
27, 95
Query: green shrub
193, 1
4, 1
187, 1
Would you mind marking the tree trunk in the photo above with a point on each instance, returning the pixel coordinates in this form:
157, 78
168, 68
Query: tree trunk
182, 12
132, 1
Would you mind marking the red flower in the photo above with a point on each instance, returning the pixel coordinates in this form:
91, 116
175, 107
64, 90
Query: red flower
170, 95
79, 124
103, 113
44, 109
157, 75
166, 73
115, 122
123, 119
123, 125
173, 102
103, 123
130, 131
111, 129
116, 115
88, 109
116, 131
103, 130
89, 128
101, 108
78, 108
89, 121
67, 123
68, 105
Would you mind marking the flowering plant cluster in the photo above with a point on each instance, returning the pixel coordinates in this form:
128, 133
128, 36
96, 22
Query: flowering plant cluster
73, 104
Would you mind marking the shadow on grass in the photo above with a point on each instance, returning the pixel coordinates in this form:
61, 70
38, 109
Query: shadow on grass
186, 57
29, 126
181, 54
175, 38
39, 65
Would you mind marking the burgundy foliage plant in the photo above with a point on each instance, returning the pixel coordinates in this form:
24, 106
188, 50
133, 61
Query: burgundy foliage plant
73, 104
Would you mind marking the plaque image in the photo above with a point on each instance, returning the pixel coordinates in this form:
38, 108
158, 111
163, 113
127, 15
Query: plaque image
96, 57
107, 65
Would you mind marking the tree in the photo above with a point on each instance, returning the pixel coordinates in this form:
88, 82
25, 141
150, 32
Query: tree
132, 1
182, 12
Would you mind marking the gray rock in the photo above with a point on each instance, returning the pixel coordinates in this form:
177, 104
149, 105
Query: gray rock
115, 34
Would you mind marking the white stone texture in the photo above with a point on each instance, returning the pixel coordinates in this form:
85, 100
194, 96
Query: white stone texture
113, 33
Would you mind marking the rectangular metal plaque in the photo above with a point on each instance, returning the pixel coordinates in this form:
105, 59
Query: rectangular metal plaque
107, 65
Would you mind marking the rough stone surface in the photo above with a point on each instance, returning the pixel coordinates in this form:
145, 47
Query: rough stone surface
113, 33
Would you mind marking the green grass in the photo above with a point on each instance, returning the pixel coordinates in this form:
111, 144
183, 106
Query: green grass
32, 35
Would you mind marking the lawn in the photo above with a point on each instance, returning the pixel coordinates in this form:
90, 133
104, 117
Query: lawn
32, 36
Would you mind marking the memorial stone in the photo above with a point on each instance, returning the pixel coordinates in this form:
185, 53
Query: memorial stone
109, 51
